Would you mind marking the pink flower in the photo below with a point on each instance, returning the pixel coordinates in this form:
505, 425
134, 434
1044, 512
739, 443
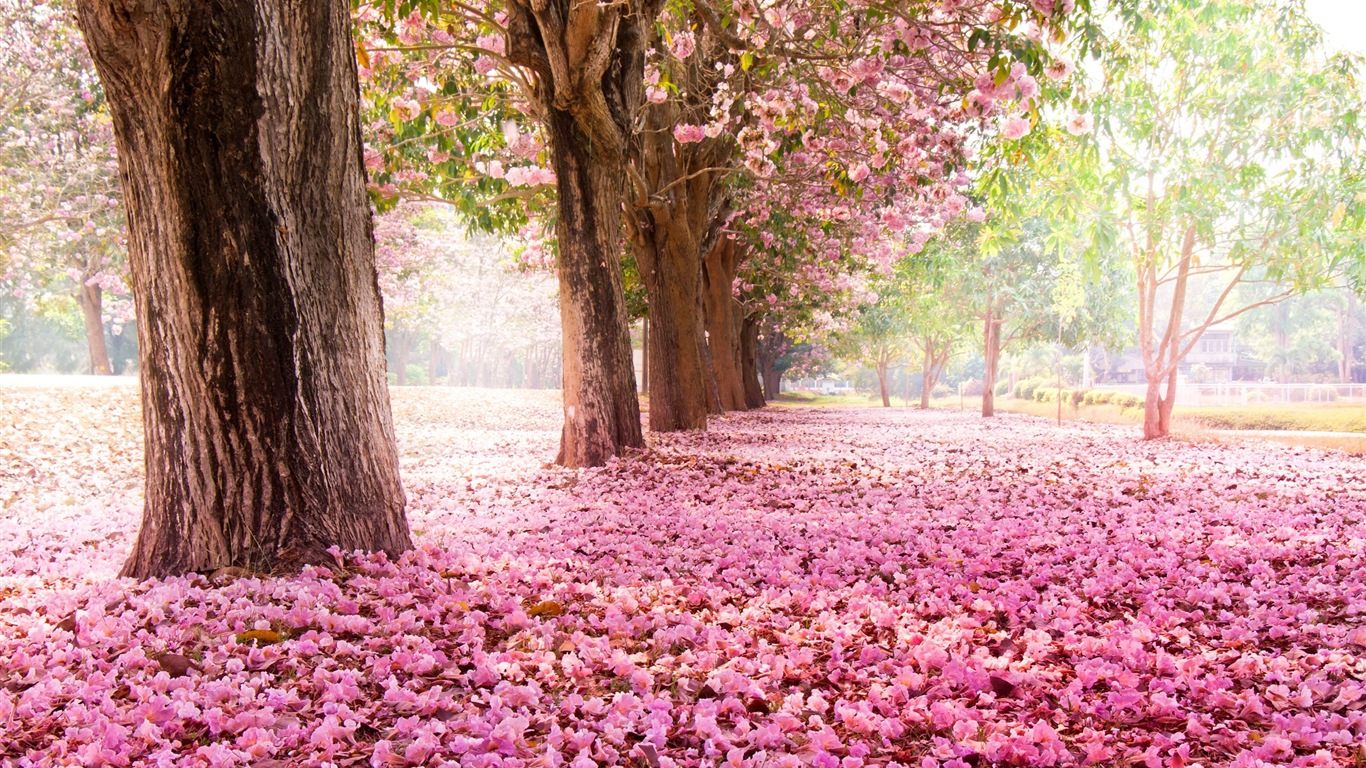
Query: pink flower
1015, 127
688, 134
683, 45
1079, 124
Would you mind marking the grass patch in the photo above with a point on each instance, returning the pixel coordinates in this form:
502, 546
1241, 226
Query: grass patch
1300, 417
813, 399
1303, 418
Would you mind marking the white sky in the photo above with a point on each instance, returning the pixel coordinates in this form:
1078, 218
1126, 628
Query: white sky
1344, 22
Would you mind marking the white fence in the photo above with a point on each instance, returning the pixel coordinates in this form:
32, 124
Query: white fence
1235, 393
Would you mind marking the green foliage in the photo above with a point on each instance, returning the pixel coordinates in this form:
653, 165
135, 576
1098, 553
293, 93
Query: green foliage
1025, 388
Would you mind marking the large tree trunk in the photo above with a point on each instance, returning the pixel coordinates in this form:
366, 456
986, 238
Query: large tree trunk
991, 331
601, 410
670, 268
91, 299
268, 432
749, 366
719, 275
589, 68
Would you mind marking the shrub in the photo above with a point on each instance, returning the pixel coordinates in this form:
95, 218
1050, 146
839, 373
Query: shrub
1002, 387
1025, 388
1050, 394
1126, 400
972, 388
417, 375
1077, 396
942, 390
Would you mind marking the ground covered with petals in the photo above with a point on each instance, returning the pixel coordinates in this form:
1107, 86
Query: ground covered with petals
796, 587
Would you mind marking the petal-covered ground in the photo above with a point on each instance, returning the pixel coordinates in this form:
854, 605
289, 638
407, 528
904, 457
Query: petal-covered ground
796, 587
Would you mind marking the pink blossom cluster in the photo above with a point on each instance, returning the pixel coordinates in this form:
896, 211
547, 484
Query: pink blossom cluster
796, 587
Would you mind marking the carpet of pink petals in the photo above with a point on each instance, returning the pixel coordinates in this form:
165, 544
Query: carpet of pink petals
797, 587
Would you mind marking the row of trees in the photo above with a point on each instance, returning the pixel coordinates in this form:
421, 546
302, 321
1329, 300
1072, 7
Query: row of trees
737, 170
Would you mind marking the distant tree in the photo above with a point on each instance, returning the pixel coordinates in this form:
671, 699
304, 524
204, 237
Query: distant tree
1227, 144
61, 222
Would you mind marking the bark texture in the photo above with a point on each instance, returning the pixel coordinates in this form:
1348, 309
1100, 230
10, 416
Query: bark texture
749, 366
588, 66
268, 430
670, 206
723, 327
91, 299
770, 351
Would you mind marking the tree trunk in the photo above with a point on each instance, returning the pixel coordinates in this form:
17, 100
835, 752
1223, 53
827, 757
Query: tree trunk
991, 330
268, 431
719, 275
671, 270
1152, 411
589, 64
601, 410
433, 360
403, 349
645, 355
749, 367
770, 350
882, 383
1345, 311
927, 378
91, 299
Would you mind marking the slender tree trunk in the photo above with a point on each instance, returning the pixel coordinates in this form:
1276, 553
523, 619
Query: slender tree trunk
992, 352
601, 410
1161, 358
268, 432
404, 340
1164, 410
882, 383
719, 272
1152, 404
749, 367
433, 360
91, 299
927, 377
1345, 312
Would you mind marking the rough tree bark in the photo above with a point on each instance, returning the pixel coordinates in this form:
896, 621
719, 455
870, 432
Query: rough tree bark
749, 366
588, 65
91, 299
268, 431
668, 212
718, 276
670, 268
